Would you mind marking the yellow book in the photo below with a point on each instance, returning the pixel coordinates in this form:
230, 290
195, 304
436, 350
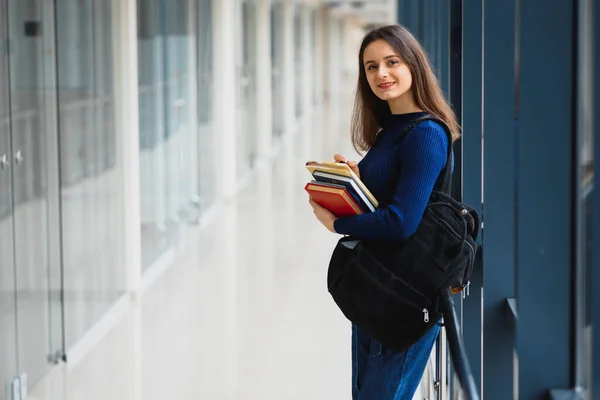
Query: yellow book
344, 170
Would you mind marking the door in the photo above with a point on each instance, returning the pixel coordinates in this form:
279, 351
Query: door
34, 198
8, 329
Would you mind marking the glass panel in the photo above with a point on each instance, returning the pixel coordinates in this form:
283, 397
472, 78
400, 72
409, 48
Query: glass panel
205, 75
313, 52
585, 196
30, 129
152, 130
298, 56
181, 119
246, 137
168, 124
8, 339
277, 54
94, 277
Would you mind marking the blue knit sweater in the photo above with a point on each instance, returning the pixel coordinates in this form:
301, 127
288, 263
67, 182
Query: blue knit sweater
420, 158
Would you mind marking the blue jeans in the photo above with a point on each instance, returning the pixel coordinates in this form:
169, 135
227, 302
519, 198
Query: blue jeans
382, 374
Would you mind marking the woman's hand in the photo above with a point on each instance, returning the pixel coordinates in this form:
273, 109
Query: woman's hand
352, 164
326, 217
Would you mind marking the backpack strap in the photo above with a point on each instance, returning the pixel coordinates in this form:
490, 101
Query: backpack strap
446, 173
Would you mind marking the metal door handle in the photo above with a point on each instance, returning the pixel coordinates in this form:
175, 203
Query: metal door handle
19, 158
4, 164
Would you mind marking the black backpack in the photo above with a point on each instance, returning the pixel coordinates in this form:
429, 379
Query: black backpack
391, 290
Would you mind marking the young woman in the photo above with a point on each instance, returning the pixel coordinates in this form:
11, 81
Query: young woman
396, 85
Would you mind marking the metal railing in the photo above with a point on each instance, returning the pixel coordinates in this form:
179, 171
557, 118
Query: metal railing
435, 383
457, 347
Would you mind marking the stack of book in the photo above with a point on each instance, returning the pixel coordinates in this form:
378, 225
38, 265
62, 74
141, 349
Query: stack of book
337, 188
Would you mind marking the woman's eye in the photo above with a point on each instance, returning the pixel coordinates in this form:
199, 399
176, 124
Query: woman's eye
370, 68
393, 62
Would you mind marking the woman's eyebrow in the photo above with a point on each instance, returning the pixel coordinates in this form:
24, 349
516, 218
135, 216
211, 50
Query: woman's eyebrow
385, 58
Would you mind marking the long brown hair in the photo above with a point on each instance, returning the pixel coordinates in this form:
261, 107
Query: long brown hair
370, 111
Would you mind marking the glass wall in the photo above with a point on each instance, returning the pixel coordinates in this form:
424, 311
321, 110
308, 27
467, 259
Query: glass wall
168, 99
584, 197
57, 117
246, 133
94, 276
32, 129
313, 38
538, 264
8, 330
298, 58
277, 54
204, 38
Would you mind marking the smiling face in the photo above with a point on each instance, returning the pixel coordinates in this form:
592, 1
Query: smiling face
389, 77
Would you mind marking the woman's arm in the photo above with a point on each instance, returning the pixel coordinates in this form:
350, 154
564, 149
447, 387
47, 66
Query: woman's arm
423, 156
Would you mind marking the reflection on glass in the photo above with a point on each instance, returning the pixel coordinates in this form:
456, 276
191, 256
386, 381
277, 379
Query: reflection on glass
277, 55
585, 136
313, 38
204, 39
585, 243
169, 102
29, 130
94, 276
8, 339
246, 137
298, 58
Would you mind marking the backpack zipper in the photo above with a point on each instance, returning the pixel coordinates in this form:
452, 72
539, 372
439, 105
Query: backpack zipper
425, 315
466, 290
471, 259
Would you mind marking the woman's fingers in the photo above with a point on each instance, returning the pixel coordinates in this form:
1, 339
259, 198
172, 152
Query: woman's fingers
354, 167
352, 164
339, 158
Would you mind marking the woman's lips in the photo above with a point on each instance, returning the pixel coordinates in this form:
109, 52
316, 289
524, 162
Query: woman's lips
386, 85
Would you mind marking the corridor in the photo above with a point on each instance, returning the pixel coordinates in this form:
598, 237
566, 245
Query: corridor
157, 241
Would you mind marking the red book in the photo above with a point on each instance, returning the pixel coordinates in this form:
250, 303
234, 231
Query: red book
335, 198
